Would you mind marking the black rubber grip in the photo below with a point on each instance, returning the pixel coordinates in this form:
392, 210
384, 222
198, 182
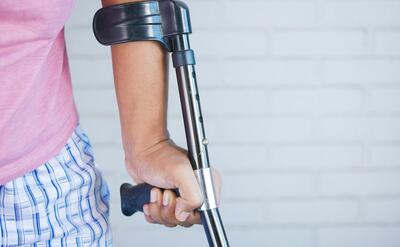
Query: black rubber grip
134, 197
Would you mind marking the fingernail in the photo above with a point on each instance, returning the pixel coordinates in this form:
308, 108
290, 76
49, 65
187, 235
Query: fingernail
165, 199
182, 216
146, 210
153, 196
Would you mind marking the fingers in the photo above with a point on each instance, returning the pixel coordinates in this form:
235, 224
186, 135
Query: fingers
155, 207
147, 216
161, 210
165, 208
168, 207
190, 195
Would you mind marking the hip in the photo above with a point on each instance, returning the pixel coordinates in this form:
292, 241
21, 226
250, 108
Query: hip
63, 202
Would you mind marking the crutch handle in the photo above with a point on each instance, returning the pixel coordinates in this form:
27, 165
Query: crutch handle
134, 197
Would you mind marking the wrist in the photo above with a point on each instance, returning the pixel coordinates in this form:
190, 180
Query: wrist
136, 145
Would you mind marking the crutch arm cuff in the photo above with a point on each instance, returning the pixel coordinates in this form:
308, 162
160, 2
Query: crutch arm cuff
137, 21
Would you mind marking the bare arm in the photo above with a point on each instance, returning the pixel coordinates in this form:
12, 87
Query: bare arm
140, 77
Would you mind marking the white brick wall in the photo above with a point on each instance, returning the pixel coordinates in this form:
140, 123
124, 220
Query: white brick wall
302, 108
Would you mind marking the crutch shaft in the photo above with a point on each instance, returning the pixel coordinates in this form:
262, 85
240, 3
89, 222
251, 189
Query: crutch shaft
197, 147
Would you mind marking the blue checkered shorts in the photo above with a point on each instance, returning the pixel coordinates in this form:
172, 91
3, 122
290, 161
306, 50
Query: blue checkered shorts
64, 202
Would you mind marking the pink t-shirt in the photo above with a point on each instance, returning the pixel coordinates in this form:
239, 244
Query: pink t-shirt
37, 111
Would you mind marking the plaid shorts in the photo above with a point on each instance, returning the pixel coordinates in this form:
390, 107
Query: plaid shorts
64, 202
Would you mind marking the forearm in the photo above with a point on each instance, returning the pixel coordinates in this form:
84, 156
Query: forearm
140, 76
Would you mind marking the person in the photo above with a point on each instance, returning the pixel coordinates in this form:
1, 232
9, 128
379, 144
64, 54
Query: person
51, 192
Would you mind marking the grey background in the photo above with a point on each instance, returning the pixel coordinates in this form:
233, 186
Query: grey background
302, 109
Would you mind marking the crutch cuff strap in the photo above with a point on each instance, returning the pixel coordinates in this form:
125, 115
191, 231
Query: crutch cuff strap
183, 58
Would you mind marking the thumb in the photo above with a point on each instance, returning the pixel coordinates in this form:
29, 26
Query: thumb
190, 196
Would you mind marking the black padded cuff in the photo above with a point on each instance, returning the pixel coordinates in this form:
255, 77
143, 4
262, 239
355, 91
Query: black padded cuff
146, 20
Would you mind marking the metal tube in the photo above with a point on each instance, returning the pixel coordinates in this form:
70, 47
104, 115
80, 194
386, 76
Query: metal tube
197, 147
214, 228
192, 117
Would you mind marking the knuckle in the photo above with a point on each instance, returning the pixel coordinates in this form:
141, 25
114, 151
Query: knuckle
166, 216
169, 218
149, 219
157, 219
155, 214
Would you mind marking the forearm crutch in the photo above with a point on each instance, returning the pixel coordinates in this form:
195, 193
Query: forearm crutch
168, 22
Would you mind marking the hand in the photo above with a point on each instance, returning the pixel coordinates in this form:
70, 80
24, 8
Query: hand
167, 166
